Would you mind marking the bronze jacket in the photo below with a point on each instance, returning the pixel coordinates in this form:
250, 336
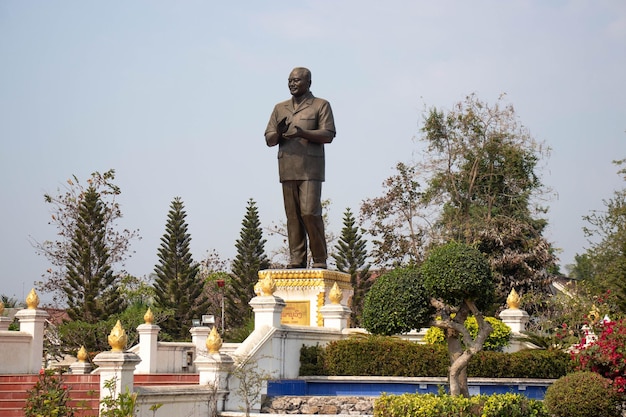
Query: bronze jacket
299, 159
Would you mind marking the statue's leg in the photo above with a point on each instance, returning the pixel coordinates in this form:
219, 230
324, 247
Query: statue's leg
296, 233
311, 209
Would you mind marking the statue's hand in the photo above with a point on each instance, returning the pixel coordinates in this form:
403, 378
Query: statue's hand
282, 127
296, 134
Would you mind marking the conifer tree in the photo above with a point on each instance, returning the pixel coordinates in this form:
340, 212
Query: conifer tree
178, 288
91, 287
351, 258
250, 259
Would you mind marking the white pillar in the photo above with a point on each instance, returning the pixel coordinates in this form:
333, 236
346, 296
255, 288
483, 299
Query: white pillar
117, 366
267, 311
335, 316
516, 319
33, 322
198, 338
148, 348
5, 322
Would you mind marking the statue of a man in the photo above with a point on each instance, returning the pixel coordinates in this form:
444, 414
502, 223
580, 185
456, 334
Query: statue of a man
300, 127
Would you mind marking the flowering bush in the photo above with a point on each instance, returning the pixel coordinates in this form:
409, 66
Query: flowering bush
49, 397
607, 355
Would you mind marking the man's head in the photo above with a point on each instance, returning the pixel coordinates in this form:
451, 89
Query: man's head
299, 81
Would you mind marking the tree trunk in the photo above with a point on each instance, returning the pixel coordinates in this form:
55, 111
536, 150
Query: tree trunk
457, 376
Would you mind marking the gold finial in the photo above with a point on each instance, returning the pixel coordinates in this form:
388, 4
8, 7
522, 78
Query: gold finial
257, 289
336, 294
82, 354
268, 285
148, 318
118, 338
213, 341
513, 300
32, 300
594, 315
1, 308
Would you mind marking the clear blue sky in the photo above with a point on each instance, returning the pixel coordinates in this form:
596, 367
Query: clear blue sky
175, 97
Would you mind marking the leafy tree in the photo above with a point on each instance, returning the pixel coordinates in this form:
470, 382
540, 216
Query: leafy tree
481, 165
603, 267
396, 221
250, 259
65, 217
453, 282
177, 285
91, 288
351, 257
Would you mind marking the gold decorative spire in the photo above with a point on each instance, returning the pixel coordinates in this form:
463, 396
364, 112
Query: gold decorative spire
268, 285
213, 341
118, 338
335, 295
82, 354
32, 300
513, 300
1, 308
148, 318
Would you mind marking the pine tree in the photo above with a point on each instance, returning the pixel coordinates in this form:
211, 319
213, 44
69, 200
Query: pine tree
250, 259
91, 287
351, 258
178, 288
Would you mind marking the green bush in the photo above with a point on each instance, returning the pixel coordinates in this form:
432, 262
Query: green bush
583, 394
431, 405
496, 341
384, 356
396, 303
545, 364
390, 356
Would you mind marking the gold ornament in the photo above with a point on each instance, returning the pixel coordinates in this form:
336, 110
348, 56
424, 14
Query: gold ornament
82, 354
594, 315
117, 338
32, 300
148, 318
1, 308
513, 300
213, 341
268, 285
335, 295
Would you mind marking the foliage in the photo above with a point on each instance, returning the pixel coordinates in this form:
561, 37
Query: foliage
582, 394
351, 257
397, 303
123, 404
396, 220
65, 217
177, 285
604, 264
91, 288
251, 379
384, 356
10, 302
431, 405
607, 355
311, 360
455, 272
482, 167
250, 259
239, 334
49, 397
496, 340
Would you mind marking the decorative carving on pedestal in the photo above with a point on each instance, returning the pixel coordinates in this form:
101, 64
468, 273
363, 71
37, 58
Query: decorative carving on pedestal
32, 300
117, 338
213, 341
148, 318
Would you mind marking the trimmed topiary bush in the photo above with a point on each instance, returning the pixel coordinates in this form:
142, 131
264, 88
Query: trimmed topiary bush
583, 394
397, 303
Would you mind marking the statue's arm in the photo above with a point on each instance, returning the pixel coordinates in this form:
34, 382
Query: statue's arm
274, 131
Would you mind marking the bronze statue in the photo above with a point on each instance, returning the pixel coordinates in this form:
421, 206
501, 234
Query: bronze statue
300, 127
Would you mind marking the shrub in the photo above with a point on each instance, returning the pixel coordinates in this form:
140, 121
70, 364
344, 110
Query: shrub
49, 397
431, 405
496, 341
545, 364
607, 355
396, 303
311, 360
582, 394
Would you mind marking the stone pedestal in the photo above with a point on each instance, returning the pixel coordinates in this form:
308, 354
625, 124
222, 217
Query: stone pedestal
5, 322
306, 291
516, 319
119, 367
199, 336
148, 342
335, 316
267, 311
81, 368
32, 321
